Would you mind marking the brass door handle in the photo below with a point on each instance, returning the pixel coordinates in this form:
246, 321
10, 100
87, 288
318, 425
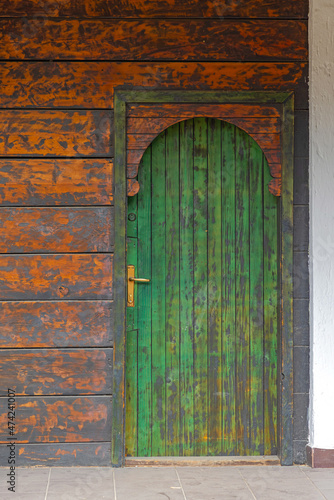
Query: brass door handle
131, 285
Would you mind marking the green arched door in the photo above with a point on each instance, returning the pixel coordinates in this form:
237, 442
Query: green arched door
201, 363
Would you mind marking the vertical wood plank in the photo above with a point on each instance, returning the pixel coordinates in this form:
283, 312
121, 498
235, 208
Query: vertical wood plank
214, 287
228, 289
270, 314
256, 297
118, 429
172, 292
200, 286
186, 287
131, 417
131, 366
286, 284
158, 295
144, 308
242, 292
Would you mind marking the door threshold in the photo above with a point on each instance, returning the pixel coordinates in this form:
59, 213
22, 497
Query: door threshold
200, 461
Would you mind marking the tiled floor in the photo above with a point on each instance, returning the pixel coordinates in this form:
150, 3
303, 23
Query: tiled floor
181, 483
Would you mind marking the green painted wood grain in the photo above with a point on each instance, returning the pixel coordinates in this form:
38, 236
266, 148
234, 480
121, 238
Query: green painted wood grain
131, 420
200, 287
271, 299
214, 198
132, 225
256, 298
172, 257
206, 223
131, 366
144, 309
242, 292
158, 296
229, 438
186, 287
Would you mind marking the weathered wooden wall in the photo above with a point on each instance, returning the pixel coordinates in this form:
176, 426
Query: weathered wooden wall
60, 62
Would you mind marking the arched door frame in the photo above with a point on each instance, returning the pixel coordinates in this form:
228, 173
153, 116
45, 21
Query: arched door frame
283, 183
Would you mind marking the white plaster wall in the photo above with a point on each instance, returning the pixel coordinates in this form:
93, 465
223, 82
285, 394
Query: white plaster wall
322, 222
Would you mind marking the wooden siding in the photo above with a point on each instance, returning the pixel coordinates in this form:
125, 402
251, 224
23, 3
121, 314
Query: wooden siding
50, 230
56, 371
91, 84
68, 420
56, 143
61, 454
55, 133
159, 8
56, 324
35, 182
146, 40
47, 277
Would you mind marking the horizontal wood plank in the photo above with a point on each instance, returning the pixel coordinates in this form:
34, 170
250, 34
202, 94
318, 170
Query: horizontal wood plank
83, 84
47, 277
156, 125
56, 371
168, 110
158, 8
55, 133
58, 420
56, 324
50, 230
60, 455
146, 40
55, 182
266, 140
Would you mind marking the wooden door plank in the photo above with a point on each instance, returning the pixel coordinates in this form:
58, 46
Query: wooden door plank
271, 305
228, 290
131, 384
55, 230
160, 8
155, 40
56, 324
186, 287
215, 388
131, 260
35, 182
91, 84
144, 302
132, 222
200, 286
62, 276
56, 133
242, 292
56, 371
256, 298
158, 296
172, 293
69, 419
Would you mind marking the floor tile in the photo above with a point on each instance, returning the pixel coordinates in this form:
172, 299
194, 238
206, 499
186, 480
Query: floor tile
214, 483
284, 488
318, 473
31, 484
84, 483
151, 483
270, 472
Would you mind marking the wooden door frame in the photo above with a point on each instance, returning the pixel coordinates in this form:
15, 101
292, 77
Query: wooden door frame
285, 102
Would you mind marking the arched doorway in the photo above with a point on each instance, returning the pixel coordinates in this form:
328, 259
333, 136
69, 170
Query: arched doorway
201, 367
